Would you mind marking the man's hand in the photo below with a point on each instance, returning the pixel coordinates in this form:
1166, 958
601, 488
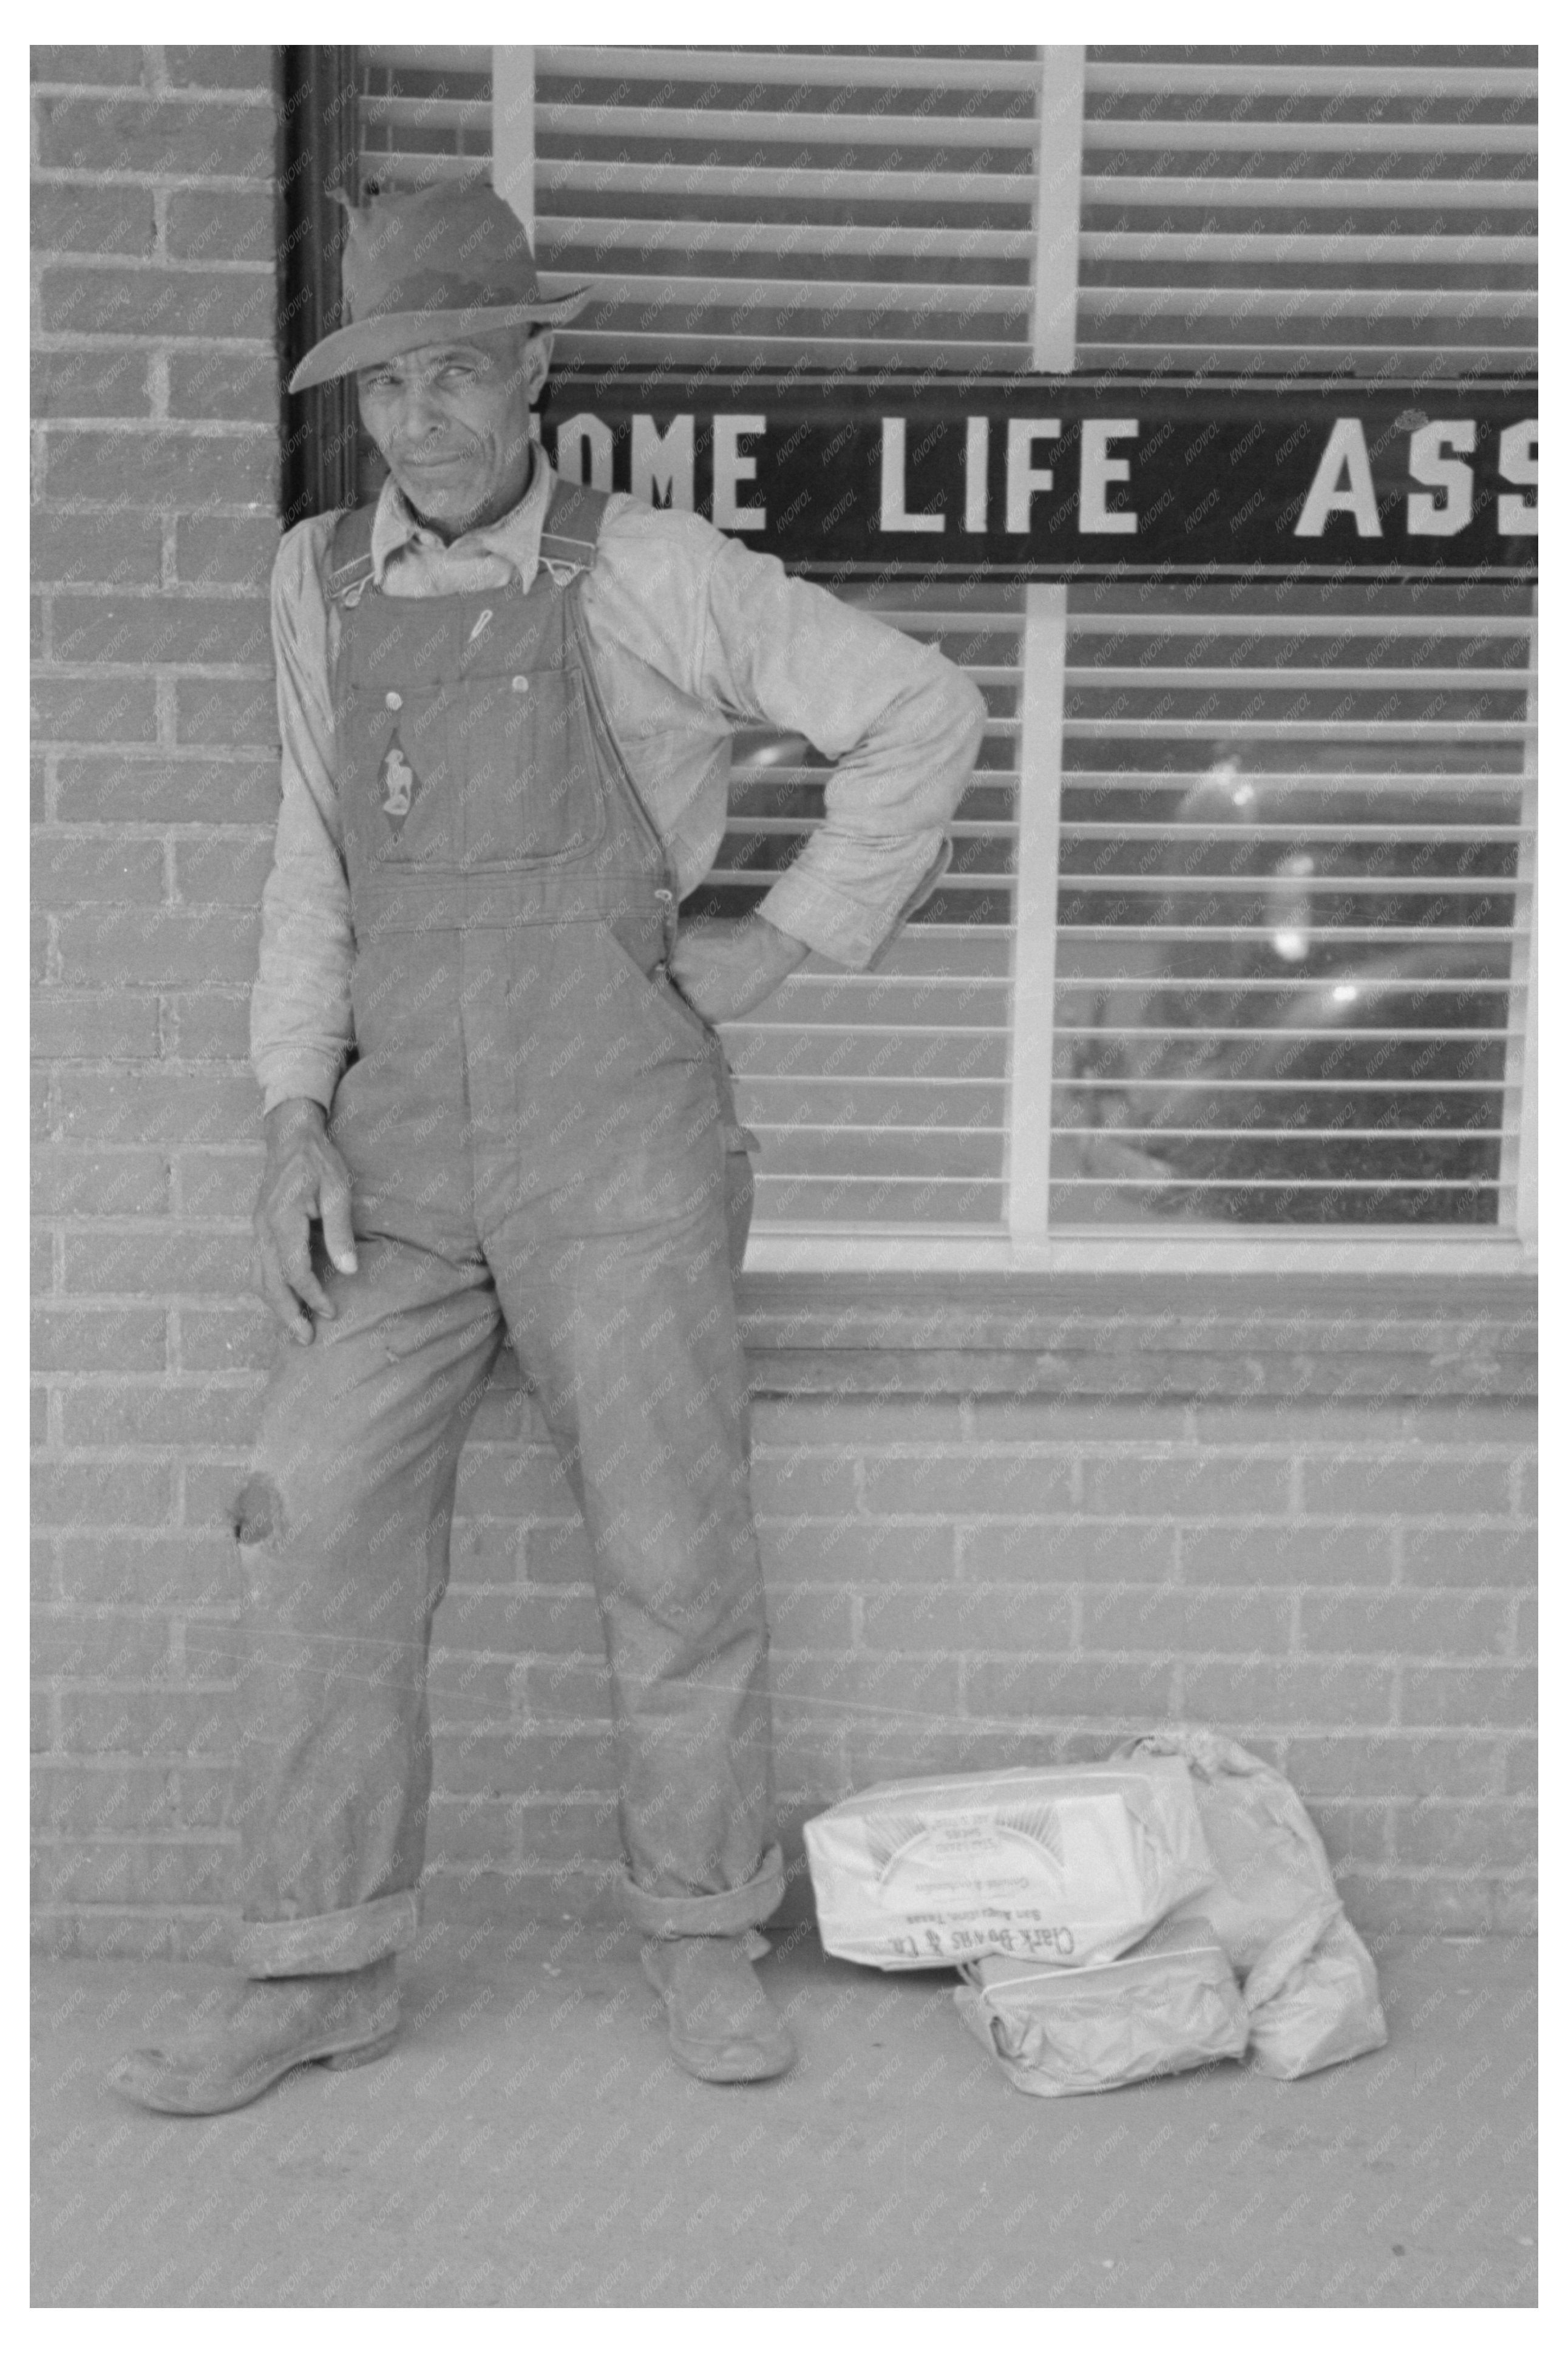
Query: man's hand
304, 1179
723, 969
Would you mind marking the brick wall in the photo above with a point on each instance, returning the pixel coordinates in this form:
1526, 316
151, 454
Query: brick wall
1347, 1588
953, 1583
153, 789
957, 1583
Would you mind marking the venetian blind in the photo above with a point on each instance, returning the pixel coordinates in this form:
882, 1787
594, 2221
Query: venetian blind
1297, 829
1339, 209
1296, 863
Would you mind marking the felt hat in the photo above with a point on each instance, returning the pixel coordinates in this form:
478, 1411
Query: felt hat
436, 265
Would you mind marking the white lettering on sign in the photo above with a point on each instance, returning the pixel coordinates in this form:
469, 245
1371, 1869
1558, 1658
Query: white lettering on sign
664, 464
1430, 518
976, 456
730, 468
1518, 460
895, 515
1097, 469
1024, 477
589, 436
1345, 457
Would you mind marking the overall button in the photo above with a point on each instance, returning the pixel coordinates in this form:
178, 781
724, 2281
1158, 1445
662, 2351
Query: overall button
519, 686
664, 897
394, 700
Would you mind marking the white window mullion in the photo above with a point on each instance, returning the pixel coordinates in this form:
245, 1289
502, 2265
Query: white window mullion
512, 131
1043, 657
512, 144
1058, 179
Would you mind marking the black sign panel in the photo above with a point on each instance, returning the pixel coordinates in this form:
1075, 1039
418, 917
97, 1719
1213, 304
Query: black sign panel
1055, 478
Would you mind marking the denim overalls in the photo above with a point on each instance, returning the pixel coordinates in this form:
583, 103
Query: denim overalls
539, 1135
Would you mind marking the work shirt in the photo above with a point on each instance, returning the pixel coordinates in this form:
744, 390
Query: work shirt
690, 633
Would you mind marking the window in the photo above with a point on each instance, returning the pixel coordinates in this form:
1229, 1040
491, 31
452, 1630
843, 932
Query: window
1236, 948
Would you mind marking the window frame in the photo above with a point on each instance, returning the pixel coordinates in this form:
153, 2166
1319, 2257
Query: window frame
319, 444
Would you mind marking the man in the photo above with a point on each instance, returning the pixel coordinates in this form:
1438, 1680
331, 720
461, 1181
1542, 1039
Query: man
496, 1109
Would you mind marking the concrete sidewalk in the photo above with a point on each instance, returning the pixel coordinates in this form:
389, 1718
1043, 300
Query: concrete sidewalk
531, 2144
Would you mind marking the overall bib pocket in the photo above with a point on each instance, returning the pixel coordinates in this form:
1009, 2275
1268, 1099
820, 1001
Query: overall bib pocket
532, 793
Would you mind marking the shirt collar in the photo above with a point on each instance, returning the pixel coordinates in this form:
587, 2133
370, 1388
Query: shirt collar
515, 539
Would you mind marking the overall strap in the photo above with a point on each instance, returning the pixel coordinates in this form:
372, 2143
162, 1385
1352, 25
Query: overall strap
348, 554
570, 532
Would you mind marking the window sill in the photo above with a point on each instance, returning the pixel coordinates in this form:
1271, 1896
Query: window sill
1373, 1335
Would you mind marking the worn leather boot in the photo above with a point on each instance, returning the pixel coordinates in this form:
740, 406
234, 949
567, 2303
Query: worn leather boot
266, 2026
722, 2027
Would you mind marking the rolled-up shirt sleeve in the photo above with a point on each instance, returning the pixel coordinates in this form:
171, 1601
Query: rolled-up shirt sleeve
902, 722
730, 627
301, 1015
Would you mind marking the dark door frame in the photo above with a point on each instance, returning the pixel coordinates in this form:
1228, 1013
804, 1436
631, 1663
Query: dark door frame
318, 429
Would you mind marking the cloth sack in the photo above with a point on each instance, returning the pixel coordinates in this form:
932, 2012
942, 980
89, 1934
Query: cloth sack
1324, 2007
1308, 1982
1170, 2004
1065, 1863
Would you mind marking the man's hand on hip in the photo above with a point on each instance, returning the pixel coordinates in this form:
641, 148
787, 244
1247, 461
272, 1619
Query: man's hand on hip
304, 1181
723, 969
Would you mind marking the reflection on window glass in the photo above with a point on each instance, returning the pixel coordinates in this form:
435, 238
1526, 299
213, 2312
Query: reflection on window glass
1290, 965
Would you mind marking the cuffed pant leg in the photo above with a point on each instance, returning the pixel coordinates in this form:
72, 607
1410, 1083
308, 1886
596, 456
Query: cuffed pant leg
343, 1531
728, 1915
